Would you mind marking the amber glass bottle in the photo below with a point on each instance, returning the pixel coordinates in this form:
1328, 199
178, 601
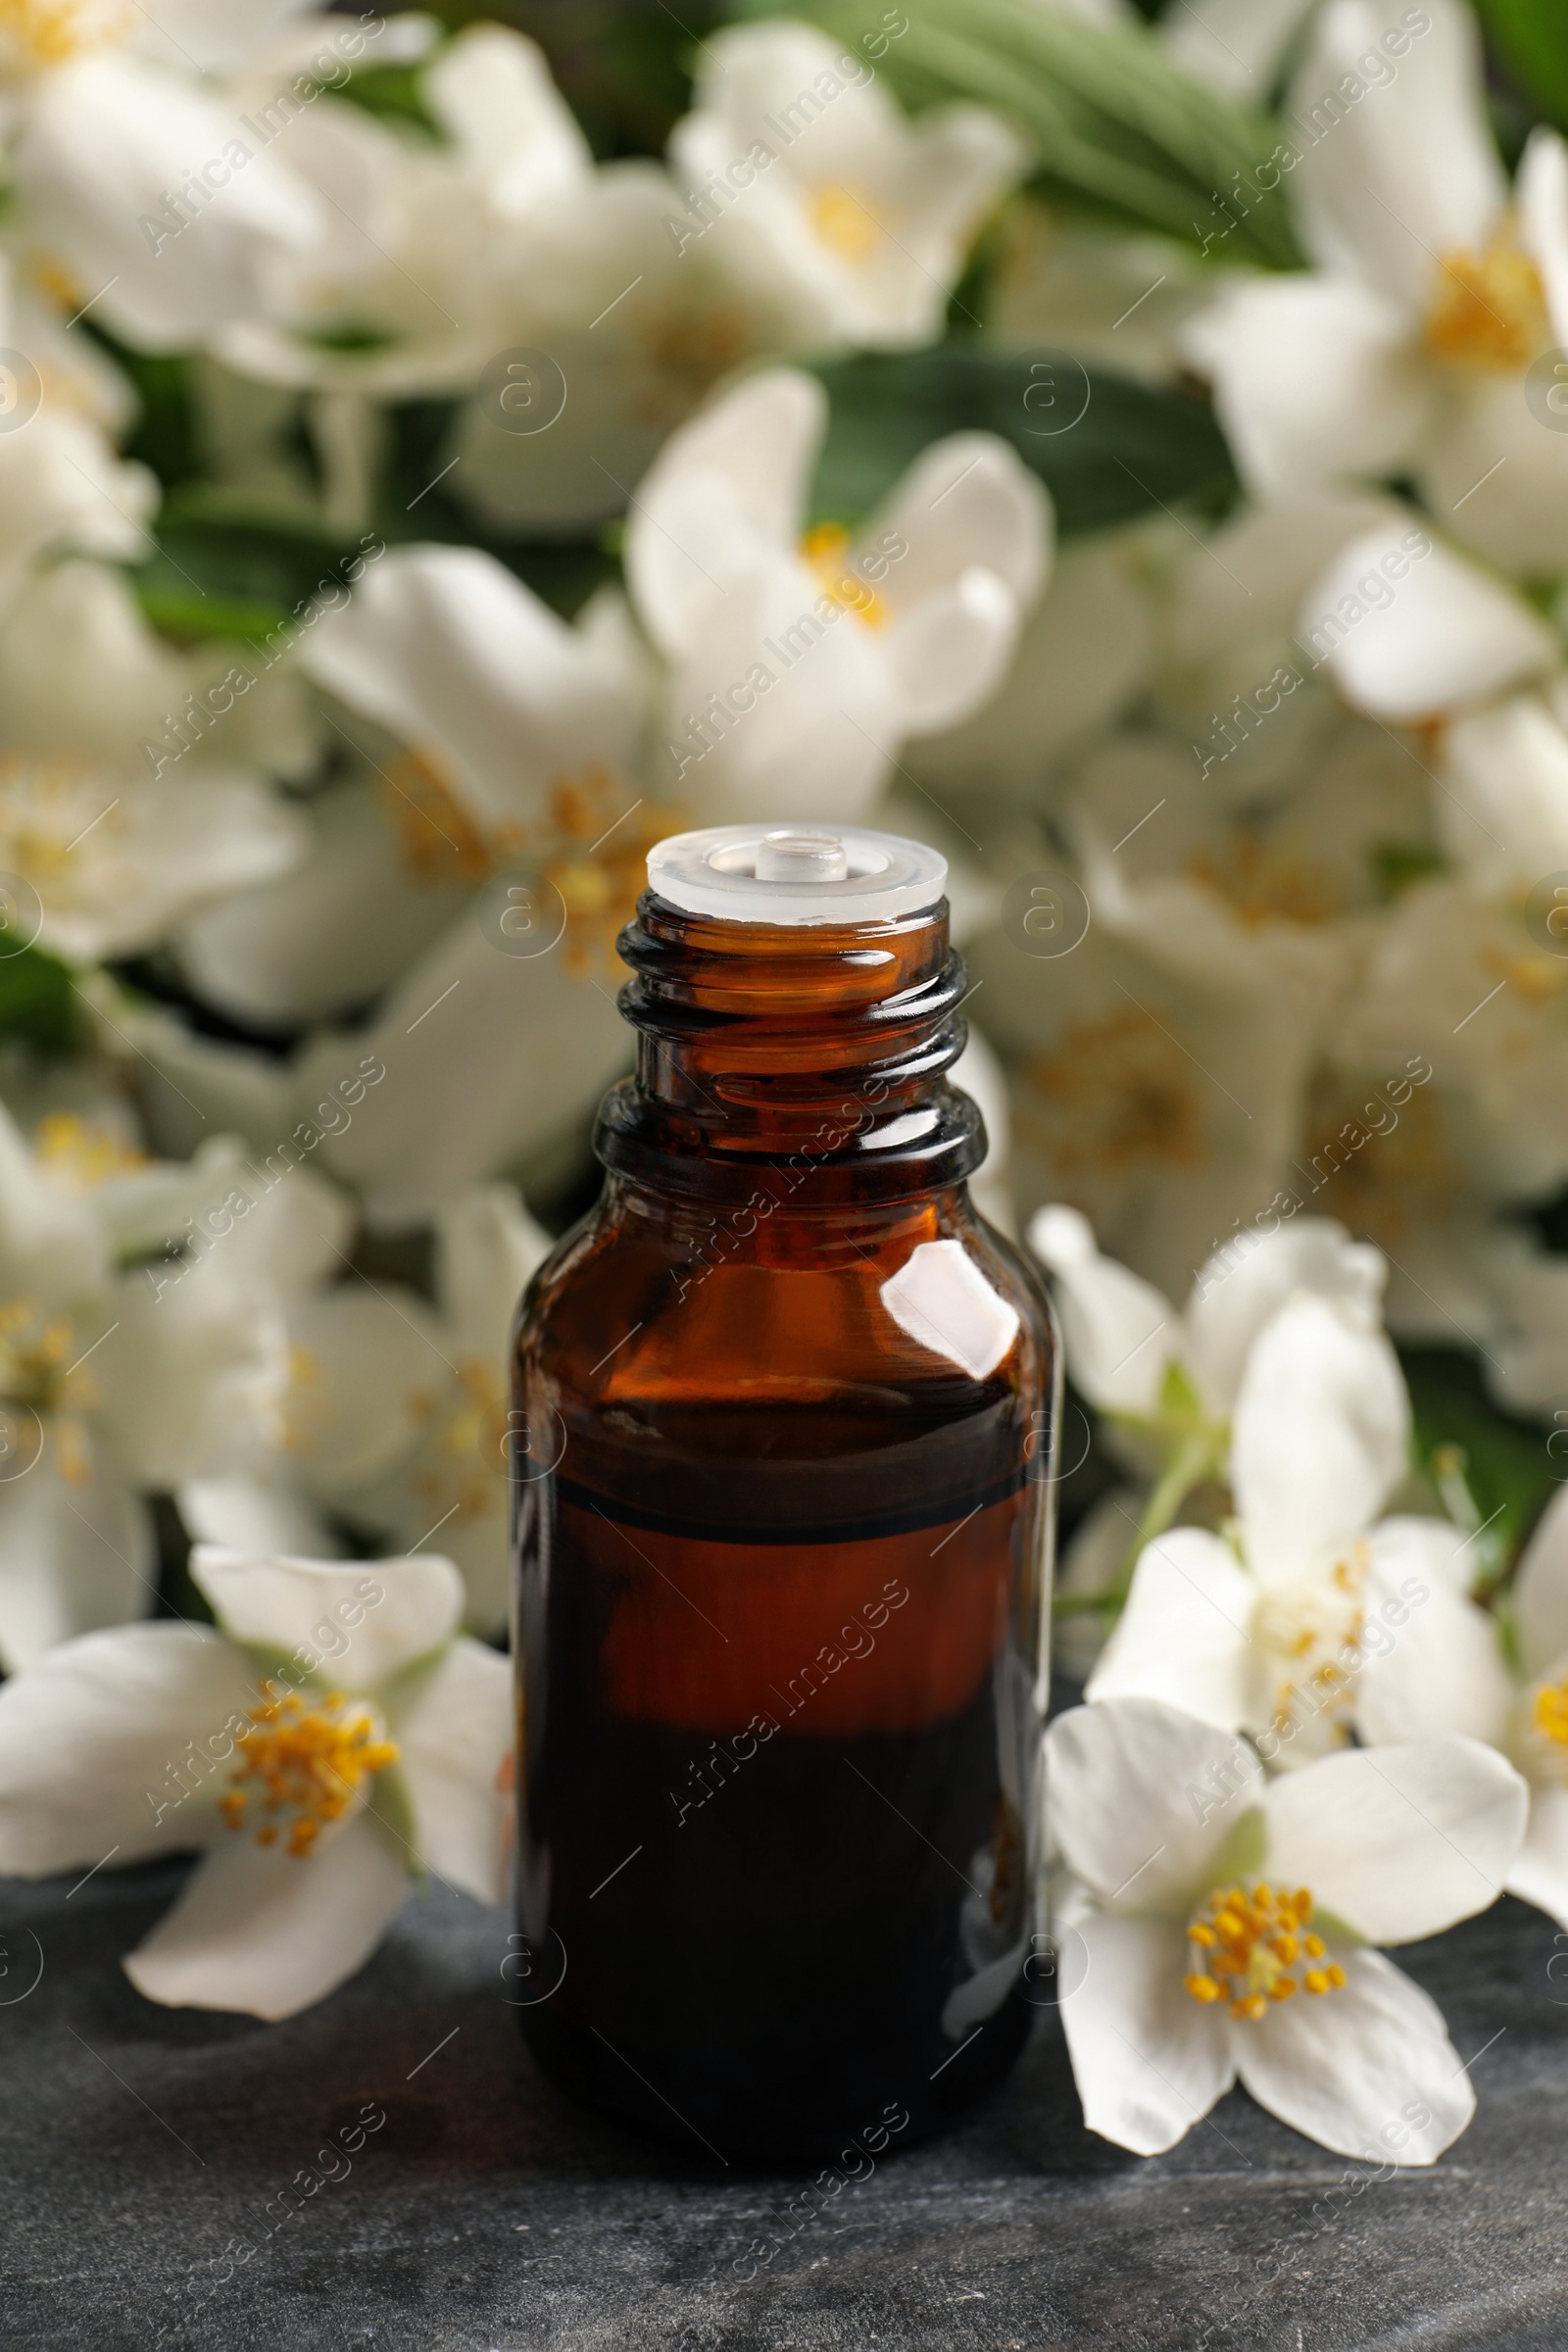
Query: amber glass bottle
782, 1481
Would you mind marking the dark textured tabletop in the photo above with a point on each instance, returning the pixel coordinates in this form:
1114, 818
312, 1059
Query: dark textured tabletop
149, 2157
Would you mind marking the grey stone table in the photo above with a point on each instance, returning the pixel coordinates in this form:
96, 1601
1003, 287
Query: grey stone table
484, 2215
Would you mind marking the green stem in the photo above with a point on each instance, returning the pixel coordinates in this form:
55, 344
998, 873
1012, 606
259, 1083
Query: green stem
1190, 1464
1187, 1467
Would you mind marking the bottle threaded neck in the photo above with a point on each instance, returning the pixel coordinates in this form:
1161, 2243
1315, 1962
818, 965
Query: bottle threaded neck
816, 1049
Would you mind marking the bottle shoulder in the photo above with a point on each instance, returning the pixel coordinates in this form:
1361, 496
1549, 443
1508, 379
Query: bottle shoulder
926, 1297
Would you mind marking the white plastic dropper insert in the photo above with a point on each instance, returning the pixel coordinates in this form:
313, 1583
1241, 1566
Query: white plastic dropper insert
796, 873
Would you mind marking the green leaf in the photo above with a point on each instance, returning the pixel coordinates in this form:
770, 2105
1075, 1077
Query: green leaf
347, 336
1133, 447
165, 436
394, 93
220, 569
1461, 1433
178, 1594
1398, 865
38, 1004
1530, 36
1118, 128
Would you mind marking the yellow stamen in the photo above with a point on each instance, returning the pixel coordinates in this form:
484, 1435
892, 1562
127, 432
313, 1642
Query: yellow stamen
592, 848
308, 1405
41, 1374
684, 354
1114, 1096
825, 547
1490, 310
843, 221
82, 1151
1549, 1720
61, 828
309, 1761
1309, 1628
58, 282
1249, 1940
1393, 1182
462, 1470
1551, 1711
1531, 973
439, 840
1262, 884
50, 32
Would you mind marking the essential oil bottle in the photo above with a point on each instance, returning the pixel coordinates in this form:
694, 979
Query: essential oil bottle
783, 1416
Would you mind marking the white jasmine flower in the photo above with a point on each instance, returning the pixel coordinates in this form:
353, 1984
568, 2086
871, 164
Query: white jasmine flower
514, 798
368, 897
1456, 969
63, 488
1433, 291
423, 241
1125, 1339
77, 379
63, 491
115, 853
1497, 1675
643, 316
510, 710
122, 1372
1113, 300
1253, 1634
1250, 699
1163, 1107
1410, 632
1274, 896
135, 172
186, 1087
1230, 1924
396, 1415
331, 1735
1323, 818
1528, 1342
1461, 978
498, 738
81, 673
1398, 1158
1289, 895
1084, 656
798, 163
799, 665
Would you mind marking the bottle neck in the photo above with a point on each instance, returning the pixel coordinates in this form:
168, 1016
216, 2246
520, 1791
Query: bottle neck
808, 1058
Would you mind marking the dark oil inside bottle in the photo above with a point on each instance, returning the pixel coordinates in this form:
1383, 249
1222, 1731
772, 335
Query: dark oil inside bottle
781, 1574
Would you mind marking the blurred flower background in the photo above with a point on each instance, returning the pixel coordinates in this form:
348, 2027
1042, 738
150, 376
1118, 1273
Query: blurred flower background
442, 452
